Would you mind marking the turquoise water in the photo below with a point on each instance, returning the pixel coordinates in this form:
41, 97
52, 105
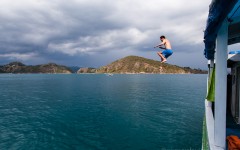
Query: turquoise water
99, 112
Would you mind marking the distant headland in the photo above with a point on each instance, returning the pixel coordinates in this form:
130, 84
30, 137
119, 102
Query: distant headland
126, 65
18, 67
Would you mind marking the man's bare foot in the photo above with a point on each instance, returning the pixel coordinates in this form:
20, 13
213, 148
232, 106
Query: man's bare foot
163, 60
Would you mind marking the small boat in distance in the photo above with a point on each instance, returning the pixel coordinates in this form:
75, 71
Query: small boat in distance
109, 74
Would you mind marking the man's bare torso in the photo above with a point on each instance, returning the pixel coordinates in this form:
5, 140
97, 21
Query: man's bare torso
166, 44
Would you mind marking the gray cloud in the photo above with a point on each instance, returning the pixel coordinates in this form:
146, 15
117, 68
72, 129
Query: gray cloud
81, 31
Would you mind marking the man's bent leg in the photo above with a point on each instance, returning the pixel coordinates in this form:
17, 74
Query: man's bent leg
163, 59
159, 54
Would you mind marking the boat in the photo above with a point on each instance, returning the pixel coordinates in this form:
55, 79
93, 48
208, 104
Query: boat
109, 74
222, 104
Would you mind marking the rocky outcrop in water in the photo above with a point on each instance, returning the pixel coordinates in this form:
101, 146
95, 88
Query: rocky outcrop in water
86, 70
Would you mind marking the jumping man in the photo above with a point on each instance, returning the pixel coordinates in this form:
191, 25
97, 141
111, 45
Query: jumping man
167, 49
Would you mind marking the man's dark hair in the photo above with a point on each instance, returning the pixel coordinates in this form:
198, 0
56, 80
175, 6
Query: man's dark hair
162, 37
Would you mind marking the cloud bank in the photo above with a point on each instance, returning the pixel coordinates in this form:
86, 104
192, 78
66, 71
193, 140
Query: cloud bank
96, 32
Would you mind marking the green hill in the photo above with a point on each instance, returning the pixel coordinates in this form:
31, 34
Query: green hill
18, 67
136, 64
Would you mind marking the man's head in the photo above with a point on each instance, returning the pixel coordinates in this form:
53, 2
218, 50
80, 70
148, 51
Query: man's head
162, 37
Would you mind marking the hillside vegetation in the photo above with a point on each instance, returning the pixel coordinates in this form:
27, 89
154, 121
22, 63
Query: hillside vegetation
136, 64
18, 67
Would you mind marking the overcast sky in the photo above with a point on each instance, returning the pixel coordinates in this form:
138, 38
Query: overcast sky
93, 33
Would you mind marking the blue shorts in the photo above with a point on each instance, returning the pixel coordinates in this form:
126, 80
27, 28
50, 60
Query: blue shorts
167, 52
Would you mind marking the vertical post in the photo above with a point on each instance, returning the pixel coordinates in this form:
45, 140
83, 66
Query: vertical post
221, 87
209, 104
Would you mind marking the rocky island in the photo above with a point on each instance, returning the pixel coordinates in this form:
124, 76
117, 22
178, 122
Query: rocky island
18, 67
136, 64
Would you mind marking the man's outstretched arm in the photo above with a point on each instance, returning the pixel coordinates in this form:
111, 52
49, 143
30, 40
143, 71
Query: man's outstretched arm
159, 45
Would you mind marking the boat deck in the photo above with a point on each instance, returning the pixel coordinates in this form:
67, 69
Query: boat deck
232, 127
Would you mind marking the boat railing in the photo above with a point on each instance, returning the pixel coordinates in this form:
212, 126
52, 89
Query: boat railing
209, 124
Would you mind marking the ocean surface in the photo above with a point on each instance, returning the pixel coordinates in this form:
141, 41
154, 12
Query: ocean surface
100, 112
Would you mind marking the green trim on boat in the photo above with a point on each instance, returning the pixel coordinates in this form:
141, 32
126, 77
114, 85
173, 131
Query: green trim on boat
211, 87
204, 135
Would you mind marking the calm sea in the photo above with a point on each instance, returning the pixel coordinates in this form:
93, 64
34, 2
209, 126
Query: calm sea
99, 112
